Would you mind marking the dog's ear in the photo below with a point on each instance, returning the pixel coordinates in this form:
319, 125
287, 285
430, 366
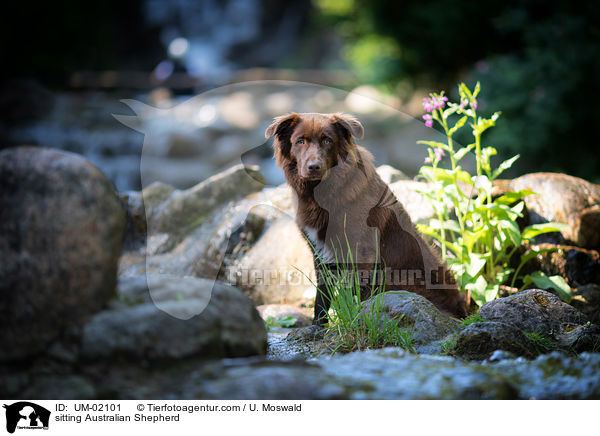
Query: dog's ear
282, 123
282, 127
349, 125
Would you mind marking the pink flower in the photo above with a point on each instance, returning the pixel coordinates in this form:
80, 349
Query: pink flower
428, 104
463, 103
434, 102
439, 153
439, 101
428, 120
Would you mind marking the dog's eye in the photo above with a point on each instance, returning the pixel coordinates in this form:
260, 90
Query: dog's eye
327, 140
300, 141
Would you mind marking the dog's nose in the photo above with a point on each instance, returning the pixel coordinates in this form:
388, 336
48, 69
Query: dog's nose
314, 166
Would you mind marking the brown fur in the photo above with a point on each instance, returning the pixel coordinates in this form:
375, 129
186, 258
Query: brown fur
342, 202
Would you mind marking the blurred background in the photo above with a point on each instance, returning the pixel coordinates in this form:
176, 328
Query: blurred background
213, 74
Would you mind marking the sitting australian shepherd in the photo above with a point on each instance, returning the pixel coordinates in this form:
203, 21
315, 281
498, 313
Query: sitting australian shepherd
347, 212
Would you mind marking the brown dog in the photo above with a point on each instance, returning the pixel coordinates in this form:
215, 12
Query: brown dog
344, 207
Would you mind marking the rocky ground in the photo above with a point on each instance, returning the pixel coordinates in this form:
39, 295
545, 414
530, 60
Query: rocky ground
190, 317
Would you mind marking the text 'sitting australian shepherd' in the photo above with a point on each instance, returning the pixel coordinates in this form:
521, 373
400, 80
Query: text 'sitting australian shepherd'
343, 203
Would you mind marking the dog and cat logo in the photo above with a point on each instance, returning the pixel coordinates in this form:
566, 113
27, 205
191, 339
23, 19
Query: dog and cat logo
26, 415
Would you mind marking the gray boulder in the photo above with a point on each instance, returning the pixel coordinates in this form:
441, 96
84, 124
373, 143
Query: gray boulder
61, 231
172, 215
194, 319
278, 267
184, 208
479, 340
409, 309
533, 310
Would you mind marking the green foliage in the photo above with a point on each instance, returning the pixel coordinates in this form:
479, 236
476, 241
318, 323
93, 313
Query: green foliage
357, 325
478, 234
542, 344
282, 321
540, 61
449, 345
472, 319
542, 281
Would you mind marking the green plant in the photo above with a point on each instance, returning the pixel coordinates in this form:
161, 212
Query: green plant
472, 319
449, 345
478, 234
542, 344
357, 325
283, 321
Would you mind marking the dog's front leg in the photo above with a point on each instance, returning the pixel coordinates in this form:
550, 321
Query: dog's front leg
323, 298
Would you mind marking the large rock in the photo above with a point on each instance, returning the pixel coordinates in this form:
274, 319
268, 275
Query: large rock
61, 231
535, 311
279, 267
181, 211
409, 309
564, 199
387, 373
187, 318
229, 237
479, 340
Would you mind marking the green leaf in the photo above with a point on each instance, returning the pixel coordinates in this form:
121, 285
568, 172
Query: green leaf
452, 108
477, 89
504, 166
470, 238
518, 208
491, 293
476, 264
448, 225
287, 321
464, 90
444, 175
533, 230
511, 197
458, 125
557, 283
483, 124
463, 151
483, 184
499, 211
512, 231
478, 289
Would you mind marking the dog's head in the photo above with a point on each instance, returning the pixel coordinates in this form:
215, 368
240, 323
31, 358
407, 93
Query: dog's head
314, 142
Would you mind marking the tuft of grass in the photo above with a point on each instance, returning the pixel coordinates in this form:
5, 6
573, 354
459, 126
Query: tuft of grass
472, 319
354, 324
542, 343
449, 345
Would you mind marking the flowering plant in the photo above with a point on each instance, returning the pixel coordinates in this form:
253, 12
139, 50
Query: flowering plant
478, 234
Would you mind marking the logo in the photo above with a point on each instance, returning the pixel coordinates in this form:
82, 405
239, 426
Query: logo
26, 415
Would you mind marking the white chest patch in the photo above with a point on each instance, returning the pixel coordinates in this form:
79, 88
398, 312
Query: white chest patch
323, 251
